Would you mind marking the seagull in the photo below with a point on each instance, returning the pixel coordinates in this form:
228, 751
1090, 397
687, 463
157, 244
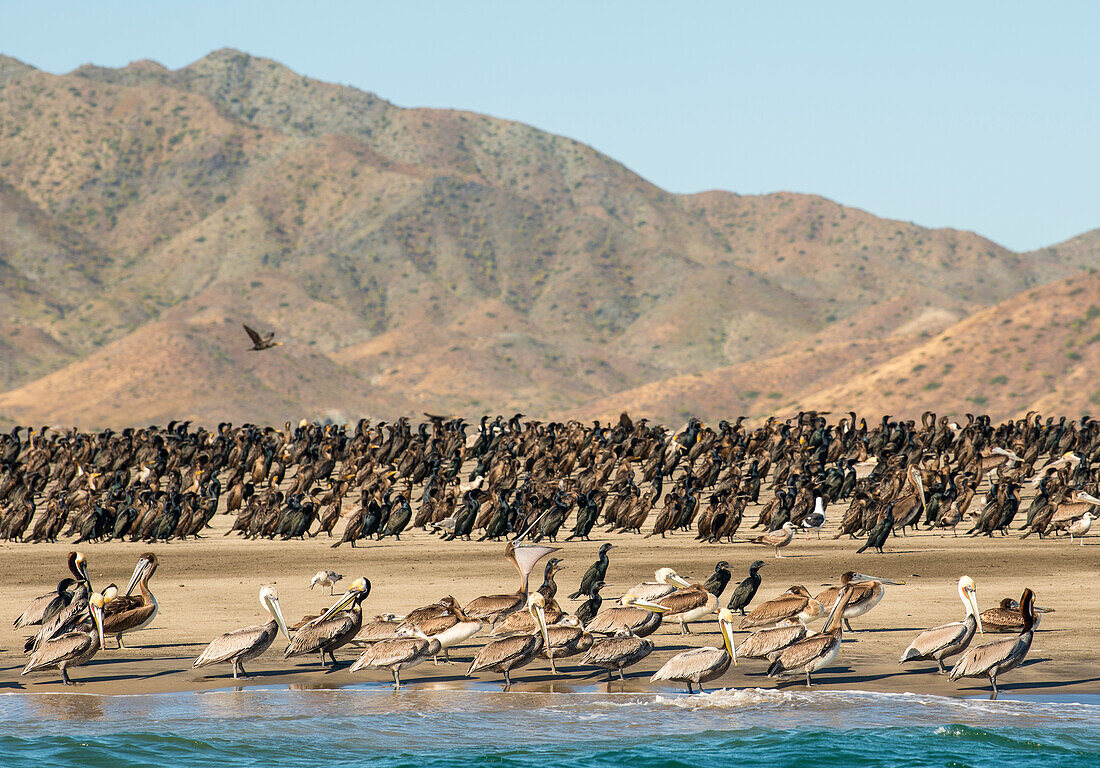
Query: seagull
325, 579
260, 343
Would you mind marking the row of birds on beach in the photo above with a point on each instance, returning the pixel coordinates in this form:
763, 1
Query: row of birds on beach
568, 480
529, 624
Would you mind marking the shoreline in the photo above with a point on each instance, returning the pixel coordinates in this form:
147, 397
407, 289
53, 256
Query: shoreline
210, 586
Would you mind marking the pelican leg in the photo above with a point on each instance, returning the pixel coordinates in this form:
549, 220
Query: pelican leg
943, 669
446, 656
507, 680
623, 679
808, 684
689, 686
993, 680
118, 637
65, 676
777, 552
553, 666
848, 626
396, 680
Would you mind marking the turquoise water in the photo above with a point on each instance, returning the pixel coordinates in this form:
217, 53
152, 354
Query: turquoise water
370, 727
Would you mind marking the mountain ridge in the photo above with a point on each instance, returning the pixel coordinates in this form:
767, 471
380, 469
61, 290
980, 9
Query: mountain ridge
435, 259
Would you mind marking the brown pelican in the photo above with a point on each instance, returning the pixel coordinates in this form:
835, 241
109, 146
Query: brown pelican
450, 628
701, 665
666, 582
247, 643
767, 643
948, 639
619, 651
493, 608
566, 638
126, 613
1001, 656
334, 628
1007, 619
777, 539
398, 653
866, 594
795, 603
325, 579
516, 651
71, 649
641, 617
816, 651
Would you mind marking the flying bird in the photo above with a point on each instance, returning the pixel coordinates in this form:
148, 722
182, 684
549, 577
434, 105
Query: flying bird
260, 343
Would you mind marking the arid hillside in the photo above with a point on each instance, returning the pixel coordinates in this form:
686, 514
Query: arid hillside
419, 259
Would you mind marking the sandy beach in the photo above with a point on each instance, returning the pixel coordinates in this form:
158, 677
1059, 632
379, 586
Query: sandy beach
210, 586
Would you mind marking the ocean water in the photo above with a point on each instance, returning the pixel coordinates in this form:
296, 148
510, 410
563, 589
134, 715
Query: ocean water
417, 727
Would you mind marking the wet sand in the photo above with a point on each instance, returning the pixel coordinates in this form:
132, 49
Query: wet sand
210, 586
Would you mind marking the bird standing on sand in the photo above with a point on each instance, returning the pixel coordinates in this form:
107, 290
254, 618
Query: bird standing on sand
241, 645
595, 573
880, 532
746, 590
992, 659
72, 648
948, 639
260, 343
777, 539
701, 665
325, 579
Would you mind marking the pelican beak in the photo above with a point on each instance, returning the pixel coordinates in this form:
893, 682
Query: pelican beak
345, 600
1037, 609
679, 581
725, 624
879, 579
277, 612
82, 567
97, 617
1089, 498
139, 571
649, 605
540, 618
972, 598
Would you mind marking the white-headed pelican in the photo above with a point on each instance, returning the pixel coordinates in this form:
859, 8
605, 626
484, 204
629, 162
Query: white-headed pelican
249, 642
948, 639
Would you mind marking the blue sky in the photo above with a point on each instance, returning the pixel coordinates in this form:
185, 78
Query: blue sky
982, 116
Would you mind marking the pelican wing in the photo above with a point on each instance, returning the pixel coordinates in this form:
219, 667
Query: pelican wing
797, 656
691, 664
611, 650
931, 640
435, 624
312, 637
231, 644
773, 611
121, 604
373, 631
759, 644
651, 590
685, 599
561, 636
502, 651
128, 619
491, 606
1002, 620
978, 661
387, 653
62, 648
610, 621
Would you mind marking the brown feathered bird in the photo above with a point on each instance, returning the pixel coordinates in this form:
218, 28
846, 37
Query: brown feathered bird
260, 343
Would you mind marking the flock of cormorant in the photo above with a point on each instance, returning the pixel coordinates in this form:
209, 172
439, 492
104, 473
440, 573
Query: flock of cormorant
552, 479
